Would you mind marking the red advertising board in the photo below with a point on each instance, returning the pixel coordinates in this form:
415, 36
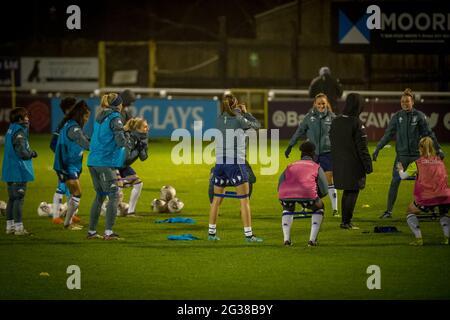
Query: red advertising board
38, 108
285, 115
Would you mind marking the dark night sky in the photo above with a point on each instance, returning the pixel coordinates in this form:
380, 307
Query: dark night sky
131, 20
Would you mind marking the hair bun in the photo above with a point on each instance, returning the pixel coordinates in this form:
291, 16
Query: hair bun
408, 92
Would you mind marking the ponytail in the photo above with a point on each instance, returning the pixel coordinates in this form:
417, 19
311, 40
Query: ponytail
110, 99
134, 124
408, 92
426, 147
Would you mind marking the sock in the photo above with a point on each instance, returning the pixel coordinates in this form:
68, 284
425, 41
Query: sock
332, 193
135, 193
18, 226
57, 200
91, 232
9, 224
108, 232
316, 221
286, 224
248, 231
413, 224
74, 203
212, 229
445, 223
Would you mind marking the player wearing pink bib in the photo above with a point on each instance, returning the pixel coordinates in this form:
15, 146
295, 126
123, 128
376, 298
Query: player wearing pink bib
303, 182
430, 190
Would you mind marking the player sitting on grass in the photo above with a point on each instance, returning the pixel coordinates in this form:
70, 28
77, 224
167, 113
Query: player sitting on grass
17, 169
430, 189
137, 131
303, 182
69, 157
61, 189
230, 169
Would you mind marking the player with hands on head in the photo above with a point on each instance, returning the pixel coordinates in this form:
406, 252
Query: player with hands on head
230, 168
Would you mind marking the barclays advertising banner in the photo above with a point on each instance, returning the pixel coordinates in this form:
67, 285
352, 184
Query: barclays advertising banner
410, 27
162, 115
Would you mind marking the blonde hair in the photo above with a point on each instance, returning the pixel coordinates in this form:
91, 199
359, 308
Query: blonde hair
229, 102
107, 99
408, 92
426, 147
323, 95
134, 124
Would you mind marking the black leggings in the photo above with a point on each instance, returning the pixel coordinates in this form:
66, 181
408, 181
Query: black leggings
348, 205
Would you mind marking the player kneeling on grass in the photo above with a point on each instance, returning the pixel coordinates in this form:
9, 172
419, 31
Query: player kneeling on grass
17, 169
230, 169
69, 157
430, 190
137, 131
303, 182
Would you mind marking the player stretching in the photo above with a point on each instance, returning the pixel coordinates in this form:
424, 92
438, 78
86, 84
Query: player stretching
430, 190
230, 169
61, 189
69, 157
137, 131
408, 125
303, 182
107, 153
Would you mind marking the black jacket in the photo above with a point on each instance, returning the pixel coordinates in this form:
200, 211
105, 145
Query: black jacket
351, 158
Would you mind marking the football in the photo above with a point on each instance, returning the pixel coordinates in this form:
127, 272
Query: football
44, 209
167, 193
2, 208
159, 205
122, 210
175, 205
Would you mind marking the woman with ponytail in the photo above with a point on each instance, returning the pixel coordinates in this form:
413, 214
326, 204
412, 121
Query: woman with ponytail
137, 130
107, 154
230, 169
69, 157
430, 190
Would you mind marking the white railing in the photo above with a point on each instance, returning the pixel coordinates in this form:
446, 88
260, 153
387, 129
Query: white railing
277, 93
271, 93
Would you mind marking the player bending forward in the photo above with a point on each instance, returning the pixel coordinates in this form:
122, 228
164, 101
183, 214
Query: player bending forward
430, 190
137, 132
304, 182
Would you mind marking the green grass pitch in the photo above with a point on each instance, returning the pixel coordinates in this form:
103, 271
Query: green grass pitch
148, 266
